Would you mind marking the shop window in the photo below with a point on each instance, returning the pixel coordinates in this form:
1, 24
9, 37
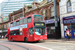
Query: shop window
67, 26
69, 9
73, 27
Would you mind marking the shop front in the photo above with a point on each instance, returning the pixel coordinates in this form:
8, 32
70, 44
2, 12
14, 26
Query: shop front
50, 24
69, 22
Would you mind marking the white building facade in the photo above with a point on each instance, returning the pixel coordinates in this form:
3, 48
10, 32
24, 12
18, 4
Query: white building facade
67, 17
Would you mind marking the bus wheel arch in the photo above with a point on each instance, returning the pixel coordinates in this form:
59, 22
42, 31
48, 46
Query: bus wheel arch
25, 39
11, 40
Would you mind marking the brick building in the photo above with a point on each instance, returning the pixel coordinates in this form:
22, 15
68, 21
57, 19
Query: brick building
3, 25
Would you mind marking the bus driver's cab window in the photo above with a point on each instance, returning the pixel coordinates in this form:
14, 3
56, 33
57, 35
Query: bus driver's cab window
30, 30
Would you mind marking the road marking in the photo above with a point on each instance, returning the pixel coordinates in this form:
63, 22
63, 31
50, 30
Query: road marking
1, 41
39, 46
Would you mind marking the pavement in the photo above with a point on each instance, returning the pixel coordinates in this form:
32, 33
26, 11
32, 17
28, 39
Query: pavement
72, 40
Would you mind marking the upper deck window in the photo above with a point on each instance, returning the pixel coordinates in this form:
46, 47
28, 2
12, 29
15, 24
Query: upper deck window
11, 24
29, 19
14, 23
25, 20
38, 18
21, 21
17, 22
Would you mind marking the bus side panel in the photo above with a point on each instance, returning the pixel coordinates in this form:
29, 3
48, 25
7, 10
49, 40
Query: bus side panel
30, 36
8, 34
21, 37
25, 33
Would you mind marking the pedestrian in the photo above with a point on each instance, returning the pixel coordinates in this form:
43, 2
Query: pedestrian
2, 36
68, 34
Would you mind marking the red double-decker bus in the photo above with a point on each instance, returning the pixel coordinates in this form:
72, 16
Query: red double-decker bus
29, 28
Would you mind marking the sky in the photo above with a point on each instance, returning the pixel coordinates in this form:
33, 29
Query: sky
1, 1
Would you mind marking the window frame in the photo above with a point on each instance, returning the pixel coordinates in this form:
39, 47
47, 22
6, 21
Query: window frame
17, 21
28, 19
12, 24
44, 13
69, 6
29, 31
21, 22
51, 11
13, 34
25, 19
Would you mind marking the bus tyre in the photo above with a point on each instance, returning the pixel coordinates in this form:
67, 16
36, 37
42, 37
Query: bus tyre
25, 39
11, 40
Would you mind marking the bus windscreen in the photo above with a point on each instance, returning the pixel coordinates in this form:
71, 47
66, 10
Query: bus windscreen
38, 18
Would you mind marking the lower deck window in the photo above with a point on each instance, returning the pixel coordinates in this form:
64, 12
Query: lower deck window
15, 32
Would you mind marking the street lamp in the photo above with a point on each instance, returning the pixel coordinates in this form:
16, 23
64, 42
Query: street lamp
55, 16
57, 26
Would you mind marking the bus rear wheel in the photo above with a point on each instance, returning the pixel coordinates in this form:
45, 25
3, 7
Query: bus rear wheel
25, 39
11, 40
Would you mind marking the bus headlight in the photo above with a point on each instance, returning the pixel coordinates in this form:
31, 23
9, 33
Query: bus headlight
36, 38
46, 34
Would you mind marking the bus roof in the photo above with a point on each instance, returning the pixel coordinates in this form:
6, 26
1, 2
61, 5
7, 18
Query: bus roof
24, 17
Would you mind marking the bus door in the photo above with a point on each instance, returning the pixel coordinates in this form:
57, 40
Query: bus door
21, 33
30, 34
25, 31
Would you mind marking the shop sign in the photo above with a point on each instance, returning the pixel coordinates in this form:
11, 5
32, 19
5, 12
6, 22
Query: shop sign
50, 21
70, 19
5, 19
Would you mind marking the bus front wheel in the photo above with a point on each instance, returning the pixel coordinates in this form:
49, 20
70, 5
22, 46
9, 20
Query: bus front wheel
25, 39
